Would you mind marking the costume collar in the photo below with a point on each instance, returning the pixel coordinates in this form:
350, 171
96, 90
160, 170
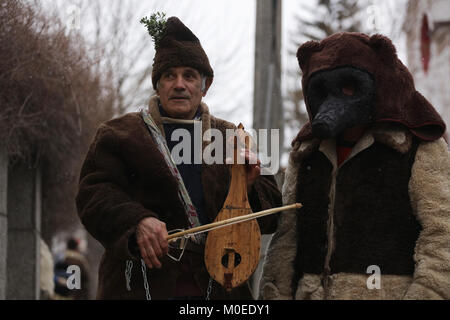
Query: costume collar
391, 135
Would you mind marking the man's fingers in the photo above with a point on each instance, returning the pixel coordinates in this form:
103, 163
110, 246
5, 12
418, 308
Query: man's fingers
148, 263
149, 248
154, 259
145, 256
150, 258
255, 171
250, 157
160, 243
164, 243
156, 247
152, 236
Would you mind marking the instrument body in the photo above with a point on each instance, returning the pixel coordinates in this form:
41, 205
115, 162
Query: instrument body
232, 252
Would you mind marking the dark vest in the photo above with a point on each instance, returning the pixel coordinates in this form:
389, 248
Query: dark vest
373, 219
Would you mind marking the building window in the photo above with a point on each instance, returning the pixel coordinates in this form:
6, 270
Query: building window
425, 43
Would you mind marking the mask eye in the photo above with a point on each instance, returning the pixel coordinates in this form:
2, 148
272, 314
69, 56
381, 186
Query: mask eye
348, 89
348, 86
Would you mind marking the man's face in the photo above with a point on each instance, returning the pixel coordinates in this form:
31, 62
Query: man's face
180, 91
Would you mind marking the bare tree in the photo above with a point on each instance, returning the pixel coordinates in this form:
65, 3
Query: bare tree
127, 54
122, 55
318, 21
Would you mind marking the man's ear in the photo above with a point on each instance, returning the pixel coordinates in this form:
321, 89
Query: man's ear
208, 82
157, 88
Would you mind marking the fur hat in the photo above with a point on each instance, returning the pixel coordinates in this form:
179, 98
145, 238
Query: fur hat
178, 46
396, 97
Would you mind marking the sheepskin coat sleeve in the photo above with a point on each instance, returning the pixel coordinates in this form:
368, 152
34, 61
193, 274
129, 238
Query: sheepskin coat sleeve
429, 190
276, 281
105, 207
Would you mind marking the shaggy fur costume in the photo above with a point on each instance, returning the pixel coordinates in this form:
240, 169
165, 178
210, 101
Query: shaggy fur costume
387, 204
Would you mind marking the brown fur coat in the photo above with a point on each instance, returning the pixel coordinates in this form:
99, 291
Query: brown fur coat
125, 179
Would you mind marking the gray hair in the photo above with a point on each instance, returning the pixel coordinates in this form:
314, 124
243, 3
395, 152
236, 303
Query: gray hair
203, 83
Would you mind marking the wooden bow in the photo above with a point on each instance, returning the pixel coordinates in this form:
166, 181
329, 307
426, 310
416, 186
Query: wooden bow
223, 223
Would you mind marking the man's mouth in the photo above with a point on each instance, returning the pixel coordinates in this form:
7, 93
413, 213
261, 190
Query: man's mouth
179, 98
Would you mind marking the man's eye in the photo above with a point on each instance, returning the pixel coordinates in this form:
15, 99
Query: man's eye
169, 76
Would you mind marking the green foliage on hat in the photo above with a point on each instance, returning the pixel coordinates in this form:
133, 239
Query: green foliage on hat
155, 26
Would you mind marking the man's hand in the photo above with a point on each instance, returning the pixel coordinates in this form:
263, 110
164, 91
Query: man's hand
253, 167
252, 163
151, 237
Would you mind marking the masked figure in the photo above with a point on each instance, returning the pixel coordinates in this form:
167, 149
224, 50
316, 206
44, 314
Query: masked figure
373, 174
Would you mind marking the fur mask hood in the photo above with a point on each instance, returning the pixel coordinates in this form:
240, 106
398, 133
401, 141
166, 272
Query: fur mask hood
396, 99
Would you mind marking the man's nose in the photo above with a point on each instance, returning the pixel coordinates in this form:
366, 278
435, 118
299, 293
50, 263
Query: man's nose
179, 83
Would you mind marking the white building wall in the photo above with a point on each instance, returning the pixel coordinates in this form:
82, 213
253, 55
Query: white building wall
435, 84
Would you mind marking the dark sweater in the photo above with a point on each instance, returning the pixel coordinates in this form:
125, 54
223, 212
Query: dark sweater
190, 173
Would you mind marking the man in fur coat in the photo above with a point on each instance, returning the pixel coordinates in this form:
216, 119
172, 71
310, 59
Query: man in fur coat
373, 174
131, 193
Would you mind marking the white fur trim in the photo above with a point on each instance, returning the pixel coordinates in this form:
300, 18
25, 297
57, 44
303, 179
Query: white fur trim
278, 268
429, 189
349, 286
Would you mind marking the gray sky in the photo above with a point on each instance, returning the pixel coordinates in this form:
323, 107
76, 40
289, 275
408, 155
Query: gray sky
226, 30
